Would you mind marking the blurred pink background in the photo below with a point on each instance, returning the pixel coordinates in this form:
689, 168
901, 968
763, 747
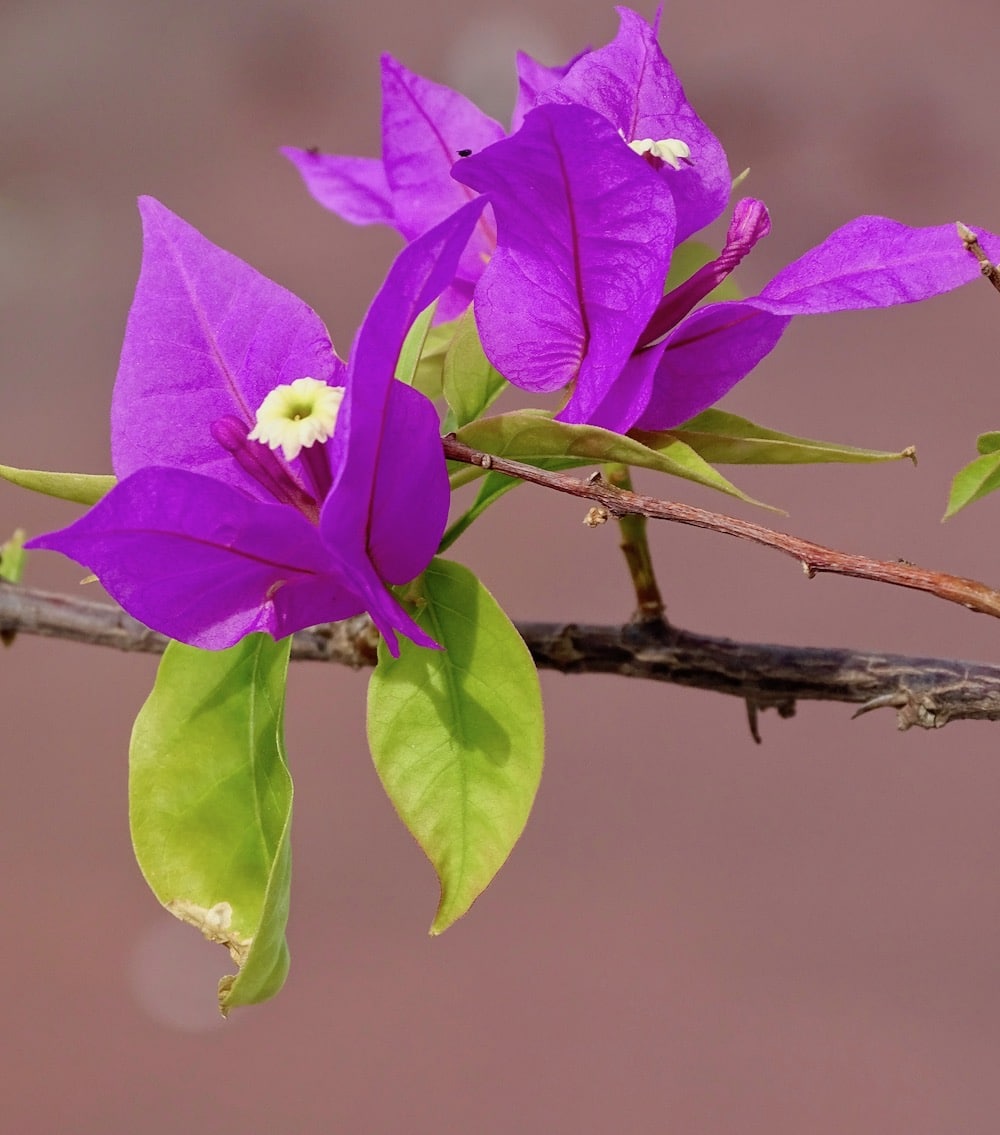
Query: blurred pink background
694, 934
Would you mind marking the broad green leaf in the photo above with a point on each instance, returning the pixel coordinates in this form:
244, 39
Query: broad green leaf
978, 479
413, 346
457, 735
988, 443
529, 435
730, 440
12, 557
687, 259
82, 488
471, 383
429, 375
210, 802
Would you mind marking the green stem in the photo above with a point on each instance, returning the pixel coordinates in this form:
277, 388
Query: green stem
635, 548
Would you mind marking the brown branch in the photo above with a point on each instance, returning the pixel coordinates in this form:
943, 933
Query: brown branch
986, 266
814, 558
928, 692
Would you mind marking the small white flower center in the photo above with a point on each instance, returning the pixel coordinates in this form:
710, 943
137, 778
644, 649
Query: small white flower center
296, 415
670, 150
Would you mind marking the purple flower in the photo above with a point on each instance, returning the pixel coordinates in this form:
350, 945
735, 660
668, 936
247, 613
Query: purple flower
586, 233
608, 170
264, 485
631, 84
871, 262
572, 297
427, 127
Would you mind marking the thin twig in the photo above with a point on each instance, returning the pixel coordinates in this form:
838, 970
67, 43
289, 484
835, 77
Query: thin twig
986, 266
814, 558
928, 692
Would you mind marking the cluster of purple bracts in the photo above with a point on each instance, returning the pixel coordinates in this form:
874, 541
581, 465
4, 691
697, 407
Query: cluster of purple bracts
560, 234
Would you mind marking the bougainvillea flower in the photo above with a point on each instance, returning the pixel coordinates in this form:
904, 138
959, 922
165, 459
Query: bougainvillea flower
586, 234
426, 128
871, 262
264, 485
632, 84
554, 306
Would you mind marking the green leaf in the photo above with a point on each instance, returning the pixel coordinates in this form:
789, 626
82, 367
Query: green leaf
82, 488
12, 563
687, 259
428, 377
731, 440
988, 443
978, 479
413, 345
210, 801
529, 435
12, 557
457, 734
471, 383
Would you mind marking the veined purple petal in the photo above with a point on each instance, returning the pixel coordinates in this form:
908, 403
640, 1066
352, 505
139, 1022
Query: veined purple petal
704, 357
869, 262
533, 79
627, 396
424, 126
585, 233
874, 262
201, 562
390, 617
416, 278
750, 224
631, 83
409, 507
207, 337
353, 188
384, 433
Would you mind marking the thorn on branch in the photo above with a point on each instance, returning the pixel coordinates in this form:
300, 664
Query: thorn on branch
752, 720
911, 709
784, 706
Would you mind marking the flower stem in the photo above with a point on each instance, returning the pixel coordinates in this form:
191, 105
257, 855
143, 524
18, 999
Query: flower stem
635, 548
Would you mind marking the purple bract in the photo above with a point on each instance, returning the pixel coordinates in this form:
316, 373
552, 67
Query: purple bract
607, 170
210, 534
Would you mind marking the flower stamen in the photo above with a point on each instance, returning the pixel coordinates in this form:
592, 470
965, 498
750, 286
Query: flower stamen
296, 415
671, 151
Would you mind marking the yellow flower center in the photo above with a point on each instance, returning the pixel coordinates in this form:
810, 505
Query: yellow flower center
296, 415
